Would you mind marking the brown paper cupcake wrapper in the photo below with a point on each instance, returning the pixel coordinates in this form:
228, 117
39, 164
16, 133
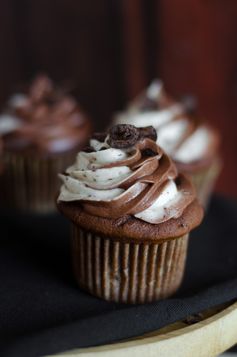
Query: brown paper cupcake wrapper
31, 183
128, 272
205, 181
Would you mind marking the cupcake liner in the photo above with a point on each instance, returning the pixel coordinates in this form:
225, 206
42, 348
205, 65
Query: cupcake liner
204, 181
30, 183
128, 272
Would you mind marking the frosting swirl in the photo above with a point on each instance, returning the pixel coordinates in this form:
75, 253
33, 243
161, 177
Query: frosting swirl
181, 135
139, 180
44, 119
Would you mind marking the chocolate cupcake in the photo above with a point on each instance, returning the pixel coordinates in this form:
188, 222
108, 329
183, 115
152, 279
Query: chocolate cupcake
42, 129
131, 215
191, 143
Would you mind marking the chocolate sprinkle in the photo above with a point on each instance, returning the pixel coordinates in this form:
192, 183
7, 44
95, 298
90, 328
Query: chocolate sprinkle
148, 153
88, 149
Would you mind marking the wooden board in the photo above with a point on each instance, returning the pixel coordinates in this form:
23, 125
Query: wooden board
208, 338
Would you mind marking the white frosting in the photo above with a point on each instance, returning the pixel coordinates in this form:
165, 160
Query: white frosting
155, 89
74, 189
158, 210
17, 100
97, 159
147, 118
102, 178
8, 123
194, 147
88, 180
170, 132
97, 145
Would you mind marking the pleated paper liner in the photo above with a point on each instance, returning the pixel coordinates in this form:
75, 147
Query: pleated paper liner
128, 272
29, 183
205, 180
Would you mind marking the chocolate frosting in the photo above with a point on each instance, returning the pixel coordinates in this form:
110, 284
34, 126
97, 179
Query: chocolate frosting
49, 121
151, 175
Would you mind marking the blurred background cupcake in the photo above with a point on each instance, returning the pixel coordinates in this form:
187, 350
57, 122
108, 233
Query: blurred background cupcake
42, 128
192, 143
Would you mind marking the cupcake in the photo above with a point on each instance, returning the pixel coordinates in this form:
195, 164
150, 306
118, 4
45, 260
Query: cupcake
131, 215
191, 143
42, 129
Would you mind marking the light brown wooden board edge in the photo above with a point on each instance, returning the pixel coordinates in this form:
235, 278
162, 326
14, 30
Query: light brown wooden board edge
207, 338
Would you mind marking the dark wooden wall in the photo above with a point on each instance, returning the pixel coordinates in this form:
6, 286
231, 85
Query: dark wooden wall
198, 53
79, 40
112, 48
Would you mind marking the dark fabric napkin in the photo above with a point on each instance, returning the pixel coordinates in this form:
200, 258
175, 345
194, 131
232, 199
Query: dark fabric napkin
42, 311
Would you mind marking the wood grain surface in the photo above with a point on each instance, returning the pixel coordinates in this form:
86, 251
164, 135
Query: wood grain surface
207, 338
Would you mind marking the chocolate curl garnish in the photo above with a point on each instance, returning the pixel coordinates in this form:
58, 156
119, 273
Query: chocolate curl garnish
148, 132
123, 136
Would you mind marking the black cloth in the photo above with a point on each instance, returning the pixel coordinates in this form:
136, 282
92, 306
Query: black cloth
42, 311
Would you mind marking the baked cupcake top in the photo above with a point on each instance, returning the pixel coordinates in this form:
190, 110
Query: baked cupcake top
125, 178
191, 143
44, 119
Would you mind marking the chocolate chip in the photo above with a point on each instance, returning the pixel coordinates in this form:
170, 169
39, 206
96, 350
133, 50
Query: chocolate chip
99, 136
88, 149
148, 153
123, 136
148, 132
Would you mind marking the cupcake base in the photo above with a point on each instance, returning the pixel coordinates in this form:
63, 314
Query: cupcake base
204, 181
128, 272
29, 183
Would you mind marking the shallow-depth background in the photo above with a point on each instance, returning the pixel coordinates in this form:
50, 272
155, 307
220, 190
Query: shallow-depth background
111, 50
